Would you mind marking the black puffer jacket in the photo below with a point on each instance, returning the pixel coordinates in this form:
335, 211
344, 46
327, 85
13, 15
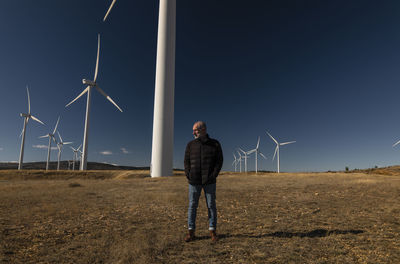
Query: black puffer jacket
203, 160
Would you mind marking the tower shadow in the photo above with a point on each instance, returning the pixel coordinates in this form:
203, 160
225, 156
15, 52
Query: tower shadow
284, 234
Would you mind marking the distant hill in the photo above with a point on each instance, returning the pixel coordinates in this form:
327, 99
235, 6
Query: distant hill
64, 166
390, 170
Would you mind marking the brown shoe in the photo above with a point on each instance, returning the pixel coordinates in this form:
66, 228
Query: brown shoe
214, 237
190, 236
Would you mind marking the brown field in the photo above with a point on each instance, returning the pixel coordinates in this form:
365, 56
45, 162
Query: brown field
127, 217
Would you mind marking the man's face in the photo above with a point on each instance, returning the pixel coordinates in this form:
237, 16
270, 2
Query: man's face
197, 131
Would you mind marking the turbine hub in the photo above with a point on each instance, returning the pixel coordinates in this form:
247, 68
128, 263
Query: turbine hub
88, 82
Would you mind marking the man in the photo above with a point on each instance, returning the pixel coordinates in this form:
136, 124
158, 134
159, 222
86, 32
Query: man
203, 162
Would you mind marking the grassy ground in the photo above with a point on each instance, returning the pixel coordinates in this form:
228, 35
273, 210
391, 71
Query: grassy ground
127, 217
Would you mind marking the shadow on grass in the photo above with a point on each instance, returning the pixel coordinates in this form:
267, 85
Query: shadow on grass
283, 234
315, 233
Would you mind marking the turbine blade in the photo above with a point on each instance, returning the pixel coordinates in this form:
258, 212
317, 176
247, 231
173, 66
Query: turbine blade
285, 143
82, 93
234, 155
44, 136
109, 9
22, 131
276, 149
242, 150
107, 97
37, 120
72, 148
67, 143
251, 151
258, 142
60, 137
272, 138
55, 128
79, 147
262, 155
395, 144
29, 101
97, 60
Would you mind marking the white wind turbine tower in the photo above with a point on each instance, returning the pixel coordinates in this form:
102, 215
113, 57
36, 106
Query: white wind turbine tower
240, 161
257, 151
277, 147
235, 161
91, 84
163, 121
26, 119
59, 146
51, 136
75, 155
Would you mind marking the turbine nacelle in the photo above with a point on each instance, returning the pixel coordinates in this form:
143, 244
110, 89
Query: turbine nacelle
89, 82
25, 115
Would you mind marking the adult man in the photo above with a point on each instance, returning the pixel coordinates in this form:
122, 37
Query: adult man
203, 162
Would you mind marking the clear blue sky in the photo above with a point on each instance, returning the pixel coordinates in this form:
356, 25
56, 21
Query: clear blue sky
323, 73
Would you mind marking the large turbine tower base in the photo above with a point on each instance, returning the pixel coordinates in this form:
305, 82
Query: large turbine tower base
163, 122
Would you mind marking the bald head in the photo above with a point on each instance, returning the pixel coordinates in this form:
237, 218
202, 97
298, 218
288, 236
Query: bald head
199, 129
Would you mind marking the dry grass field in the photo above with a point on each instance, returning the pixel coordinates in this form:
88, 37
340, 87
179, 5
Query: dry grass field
127, 217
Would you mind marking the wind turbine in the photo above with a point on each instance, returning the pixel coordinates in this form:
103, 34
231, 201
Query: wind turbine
26, 119
50, 136
277, 147
80, 157
257, 151
240, 161
69, 164
245, 158
235, 161
59, 146
163, 120
91, 84
75, 155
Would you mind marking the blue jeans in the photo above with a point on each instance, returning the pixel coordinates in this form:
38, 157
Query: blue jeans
194, 195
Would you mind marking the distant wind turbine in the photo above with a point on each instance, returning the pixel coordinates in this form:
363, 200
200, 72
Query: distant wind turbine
51, 136
235, 161
240, 161
245, 158
277, 147
26, 119
257, 151
69, 164
60, 144
395, 144
75, 155
88, 90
